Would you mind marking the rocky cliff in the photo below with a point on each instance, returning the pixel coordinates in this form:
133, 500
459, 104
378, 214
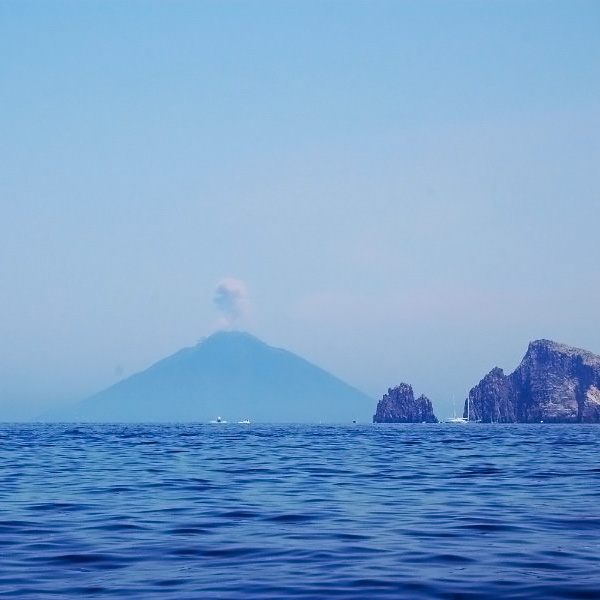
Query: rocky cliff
554, 383
399, 406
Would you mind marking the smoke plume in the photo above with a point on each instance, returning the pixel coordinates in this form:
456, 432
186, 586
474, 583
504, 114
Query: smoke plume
231, 297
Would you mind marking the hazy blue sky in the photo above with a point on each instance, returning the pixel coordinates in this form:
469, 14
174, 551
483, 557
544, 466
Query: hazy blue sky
409, 191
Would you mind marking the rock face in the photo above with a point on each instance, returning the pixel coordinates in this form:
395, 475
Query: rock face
399, 406
554, 383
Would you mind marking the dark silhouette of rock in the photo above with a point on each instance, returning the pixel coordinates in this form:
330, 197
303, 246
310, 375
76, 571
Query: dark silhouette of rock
232, 375
399, 406
554, 383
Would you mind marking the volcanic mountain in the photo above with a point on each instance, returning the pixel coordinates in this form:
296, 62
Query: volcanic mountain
231, 375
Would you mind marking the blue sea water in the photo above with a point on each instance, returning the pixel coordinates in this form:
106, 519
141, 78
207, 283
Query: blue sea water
273, 512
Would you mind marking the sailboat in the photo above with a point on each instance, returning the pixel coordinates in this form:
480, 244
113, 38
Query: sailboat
454, 418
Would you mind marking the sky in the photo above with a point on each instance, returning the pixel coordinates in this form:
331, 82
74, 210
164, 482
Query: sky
394, 190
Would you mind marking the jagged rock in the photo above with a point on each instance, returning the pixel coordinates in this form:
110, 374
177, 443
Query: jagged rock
492, 400
554, 383
399, 406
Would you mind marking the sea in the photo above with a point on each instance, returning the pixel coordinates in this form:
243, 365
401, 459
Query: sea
245, 511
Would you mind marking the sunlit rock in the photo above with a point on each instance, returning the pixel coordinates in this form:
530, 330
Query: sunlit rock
554, 383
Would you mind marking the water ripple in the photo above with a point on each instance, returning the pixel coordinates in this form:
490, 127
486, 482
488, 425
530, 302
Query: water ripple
277, 512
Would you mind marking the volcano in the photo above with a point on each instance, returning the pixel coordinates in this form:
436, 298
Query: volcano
232, 376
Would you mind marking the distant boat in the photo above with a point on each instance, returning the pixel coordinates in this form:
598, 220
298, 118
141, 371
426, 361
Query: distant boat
244, 422
454, 418
219, 420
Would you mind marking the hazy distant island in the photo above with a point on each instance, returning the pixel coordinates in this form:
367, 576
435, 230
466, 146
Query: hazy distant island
232, 375
554, 383
399, 405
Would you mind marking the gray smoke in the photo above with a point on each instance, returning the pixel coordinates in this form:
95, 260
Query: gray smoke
231, 297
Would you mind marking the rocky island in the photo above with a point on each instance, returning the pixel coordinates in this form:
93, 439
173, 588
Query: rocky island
400, 406
554, 383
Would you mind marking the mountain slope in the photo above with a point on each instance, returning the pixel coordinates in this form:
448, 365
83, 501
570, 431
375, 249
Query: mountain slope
232, 375
554, 383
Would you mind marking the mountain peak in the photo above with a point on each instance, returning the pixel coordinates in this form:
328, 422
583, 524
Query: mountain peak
231, 336
546, 347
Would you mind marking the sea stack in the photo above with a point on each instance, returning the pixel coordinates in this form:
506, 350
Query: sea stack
554, 383
399, 406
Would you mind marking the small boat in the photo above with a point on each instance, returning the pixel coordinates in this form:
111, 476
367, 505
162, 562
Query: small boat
219, 420
244, 422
